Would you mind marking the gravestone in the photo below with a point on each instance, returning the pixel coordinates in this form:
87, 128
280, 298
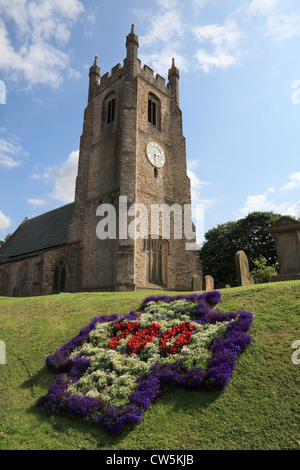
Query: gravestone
286, 232
209, 282
196, 283
242, 269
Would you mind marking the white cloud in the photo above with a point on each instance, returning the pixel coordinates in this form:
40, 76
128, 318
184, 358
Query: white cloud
196, 187
262, 7
283, 27
219, 60
11, 152
293, 183
36, 202
64, 178
199, 203
196, 183
161, 61
163, 40
31, 36
227, 35
167, 4
201, 3
225, 40
5, 221
274, 203
279, 23
294, 210
260, 202
164, 26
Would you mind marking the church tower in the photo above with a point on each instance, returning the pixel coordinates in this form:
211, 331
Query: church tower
132, 179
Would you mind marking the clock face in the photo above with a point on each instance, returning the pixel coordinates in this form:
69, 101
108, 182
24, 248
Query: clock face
156, 154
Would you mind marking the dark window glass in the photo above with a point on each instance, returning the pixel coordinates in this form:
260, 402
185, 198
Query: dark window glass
110, 111
152, 112
59, 278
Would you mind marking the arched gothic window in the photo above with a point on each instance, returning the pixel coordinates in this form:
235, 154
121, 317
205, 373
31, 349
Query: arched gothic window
154, 117
60, 276
109, 108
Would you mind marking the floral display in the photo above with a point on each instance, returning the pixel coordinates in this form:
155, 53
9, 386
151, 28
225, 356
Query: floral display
113, 370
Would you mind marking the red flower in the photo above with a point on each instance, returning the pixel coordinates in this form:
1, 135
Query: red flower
184, 330
139, 338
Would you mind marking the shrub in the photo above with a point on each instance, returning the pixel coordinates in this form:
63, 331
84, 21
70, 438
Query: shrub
262, 273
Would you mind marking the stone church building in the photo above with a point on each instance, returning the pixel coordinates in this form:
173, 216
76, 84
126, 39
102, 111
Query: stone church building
132, 151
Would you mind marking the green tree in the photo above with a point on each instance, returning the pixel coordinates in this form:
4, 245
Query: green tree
262, 272
249, 234
5, 239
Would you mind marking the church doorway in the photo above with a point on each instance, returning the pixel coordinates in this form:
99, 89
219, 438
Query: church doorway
156, 261
60, 277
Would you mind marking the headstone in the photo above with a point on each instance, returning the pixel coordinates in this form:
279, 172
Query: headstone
286, 232
209, 282
196, 283
242, 268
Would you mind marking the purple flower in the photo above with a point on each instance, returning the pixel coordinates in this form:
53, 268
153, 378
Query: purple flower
224, 357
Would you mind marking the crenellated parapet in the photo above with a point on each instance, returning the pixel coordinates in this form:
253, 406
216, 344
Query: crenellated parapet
132, 68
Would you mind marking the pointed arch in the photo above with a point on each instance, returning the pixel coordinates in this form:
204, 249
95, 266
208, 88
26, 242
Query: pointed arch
60, 276
109, 108
154, 110
156, 261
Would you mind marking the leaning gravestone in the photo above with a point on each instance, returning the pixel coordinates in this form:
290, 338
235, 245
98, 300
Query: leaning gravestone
242, 269
209, 282
196, 283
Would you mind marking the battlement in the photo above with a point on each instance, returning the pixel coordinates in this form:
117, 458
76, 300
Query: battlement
131, 69
108, 79
157, 80
146, 72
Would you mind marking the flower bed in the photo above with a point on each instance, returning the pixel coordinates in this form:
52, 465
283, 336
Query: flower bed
112, 371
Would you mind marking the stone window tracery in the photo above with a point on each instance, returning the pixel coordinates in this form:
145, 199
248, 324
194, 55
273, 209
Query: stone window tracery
60, 276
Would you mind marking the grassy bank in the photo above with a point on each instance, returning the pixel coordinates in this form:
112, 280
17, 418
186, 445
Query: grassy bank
258, 410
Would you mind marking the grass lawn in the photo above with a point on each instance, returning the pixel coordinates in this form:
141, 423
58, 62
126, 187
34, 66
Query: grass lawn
259, 410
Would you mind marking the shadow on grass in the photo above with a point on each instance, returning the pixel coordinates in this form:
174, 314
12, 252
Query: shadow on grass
180, 398
42, 378
188, 400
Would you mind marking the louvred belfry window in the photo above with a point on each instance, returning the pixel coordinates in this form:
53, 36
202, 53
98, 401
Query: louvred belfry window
154, 117
110, 111
151, 112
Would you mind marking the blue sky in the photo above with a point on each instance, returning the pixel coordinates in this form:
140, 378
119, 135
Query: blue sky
239, 67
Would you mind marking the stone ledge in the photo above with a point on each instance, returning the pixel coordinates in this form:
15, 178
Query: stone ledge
286, 277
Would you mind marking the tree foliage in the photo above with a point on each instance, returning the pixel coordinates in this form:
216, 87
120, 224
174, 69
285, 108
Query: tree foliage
2, 243
262, 272
249, 234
